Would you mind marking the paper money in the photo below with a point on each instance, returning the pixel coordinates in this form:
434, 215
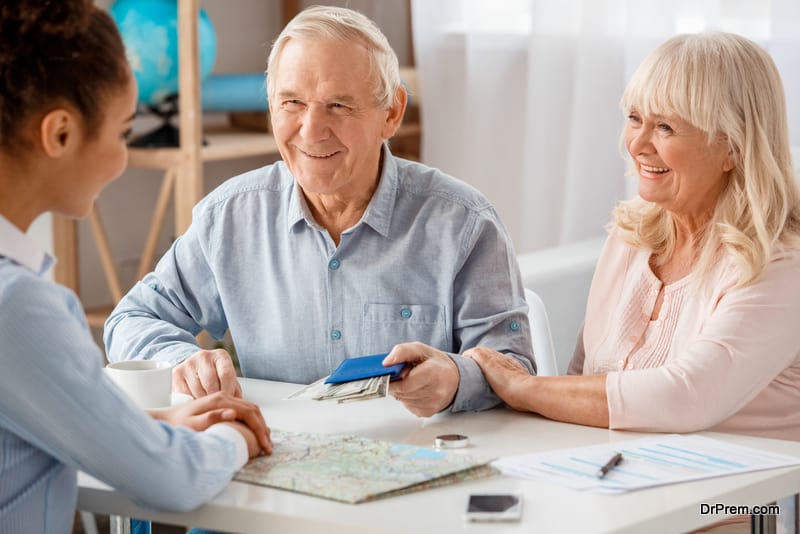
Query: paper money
357, 390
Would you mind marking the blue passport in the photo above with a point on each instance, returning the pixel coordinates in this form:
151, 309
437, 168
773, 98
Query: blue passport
363, 367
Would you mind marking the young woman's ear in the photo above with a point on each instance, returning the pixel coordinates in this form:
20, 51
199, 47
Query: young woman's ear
58, 131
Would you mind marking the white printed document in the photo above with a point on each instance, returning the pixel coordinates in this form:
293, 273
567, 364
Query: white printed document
646, 462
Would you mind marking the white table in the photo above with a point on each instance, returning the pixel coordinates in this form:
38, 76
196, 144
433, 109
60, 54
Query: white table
248, 508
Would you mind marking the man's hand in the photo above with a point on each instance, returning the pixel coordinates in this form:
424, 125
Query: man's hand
429, 382
206, 372
220, 407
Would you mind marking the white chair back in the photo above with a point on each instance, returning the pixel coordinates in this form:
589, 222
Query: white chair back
543, 351
561, 276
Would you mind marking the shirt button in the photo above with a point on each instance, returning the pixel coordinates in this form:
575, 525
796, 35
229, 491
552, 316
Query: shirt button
333, 265
336, 335
153, 285
514, 326
405, 313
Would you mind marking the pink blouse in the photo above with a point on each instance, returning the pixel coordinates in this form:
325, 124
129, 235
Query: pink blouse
717, 358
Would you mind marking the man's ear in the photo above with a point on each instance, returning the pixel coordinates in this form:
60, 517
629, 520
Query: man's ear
58, 131
395, 113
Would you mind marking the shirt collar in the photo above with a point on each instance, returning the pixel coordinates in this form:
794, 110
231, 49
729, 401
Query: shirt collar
298, 210
378, 214
379, 211
22, 248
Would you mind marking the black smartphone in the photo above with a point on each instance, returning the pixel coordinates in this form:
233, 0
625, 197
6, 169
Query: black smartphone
494, 507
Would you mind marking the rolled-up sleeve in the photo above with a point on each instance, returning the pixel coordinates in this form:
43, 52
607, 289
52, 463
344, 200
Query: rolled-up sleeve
489, 308
161, 315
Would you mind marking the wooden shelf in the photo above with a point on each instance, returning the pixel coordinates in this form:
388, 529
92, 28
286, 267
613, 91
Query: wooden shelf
226, 143
222, 143
96, 317
407, 130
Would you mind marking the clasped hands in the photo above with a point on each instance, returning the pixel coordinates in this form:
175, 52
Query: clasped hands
209, 377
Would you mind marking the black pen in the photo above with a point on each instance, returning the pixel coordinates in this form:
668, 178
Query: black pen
611, 464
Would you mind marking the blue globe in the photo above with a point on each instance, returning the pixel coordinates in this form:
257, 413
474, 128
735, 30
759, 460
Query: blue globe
149, 29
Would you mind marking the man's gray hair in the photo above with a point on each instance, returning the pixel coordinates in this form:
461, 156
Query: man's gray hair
342, 24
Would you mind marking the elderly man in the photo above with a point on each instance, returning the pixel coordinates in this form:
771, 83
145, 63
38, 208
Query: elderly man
341, 250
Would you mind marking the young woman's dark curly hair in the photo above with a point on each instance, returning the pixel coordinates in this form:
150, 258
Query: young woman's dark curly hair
55, 53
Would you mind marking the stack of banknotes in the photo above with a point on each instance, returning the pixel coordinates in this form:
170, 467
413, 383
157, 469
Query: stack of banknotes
356, 390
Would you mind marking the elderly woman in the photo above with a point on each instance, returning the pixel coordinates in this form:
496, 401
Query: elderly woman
692, 317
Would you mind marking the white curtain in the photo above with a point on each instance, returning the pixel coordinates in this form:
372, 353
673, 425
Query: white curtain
520, 97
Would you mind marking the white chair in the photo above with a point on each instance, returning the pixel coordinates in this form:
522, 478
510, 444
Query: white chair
543, 351
561, 276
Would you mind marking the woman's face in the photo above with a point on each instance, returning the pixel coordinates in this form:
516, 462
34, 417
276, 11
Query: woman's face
101, 158
678, 169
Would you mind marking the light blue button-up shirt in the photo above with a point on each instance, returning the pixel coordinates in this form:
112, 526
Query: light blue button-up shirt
429, 261
59, 412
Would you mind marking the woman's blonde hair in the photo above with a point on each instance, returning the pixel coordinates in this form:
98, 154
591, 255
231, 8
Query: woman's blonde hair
342, 24
728, 87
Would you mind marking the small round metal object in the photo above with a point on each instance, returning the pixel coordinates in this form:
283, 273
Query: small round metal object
451, 441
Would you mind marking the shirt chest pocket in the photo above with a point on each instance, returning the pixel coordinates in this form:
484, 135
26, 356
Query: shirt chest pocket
386, 325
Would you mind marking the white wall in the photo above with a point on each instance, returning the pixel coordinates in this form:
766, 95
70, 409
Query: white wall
392, 16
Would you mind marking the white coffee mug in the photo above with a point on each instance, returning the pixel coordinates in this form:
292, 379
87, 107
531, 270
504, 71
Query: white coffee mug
147, 382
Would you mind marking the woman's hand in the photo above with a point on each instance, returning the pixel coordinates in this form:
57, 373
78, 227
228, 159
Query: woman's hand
573, 399
506, 376
219, 407
253, 448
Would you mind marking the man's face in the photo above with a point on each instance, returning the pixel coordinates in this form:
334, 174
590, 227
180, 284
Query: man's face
327, 123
